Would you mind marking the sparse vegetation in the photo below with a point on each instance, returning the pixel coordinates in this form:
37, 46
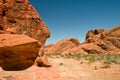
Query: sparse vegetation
103, 58
61, 63
8, 78
106, 66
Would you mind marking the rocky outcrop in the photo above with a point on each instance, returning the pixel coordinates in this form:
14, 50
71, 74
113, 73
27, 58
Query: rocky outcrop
19, 17
62, 46
108, 40
17, 52
92, 33
97, 41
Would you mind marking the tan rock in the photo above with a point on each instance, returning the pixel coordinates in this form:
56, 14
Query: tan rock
42, 61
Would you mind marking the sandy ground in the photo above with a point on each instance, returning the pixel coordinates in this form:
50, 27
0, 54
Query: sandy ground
73, 69
65, 69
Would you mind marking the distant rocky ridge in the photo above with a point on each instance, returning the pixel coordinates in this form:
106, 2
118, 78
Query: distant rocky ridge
62, 46
98, 41
19, 23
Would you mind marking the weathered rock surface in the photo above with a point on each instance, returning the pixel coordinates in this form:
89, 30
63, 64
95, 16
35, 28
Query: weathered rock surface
19, 17
17, 52
108, 40
97, 41
42, 61
62, 46
92, 33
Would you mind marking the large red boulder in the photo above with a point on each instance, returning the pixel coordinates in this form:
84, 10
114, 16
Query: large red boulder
17, 52
19, 17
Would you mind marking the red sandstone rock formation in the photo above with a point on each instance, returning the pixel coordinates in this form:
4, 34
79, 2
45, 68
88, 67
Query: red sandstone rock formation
17, 52
97, 41
19, 17
108, 40
62, 46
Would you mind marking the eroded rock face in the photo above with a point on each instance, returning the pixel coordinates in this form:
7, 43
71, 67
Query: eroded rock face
108, 40
91, 33
97, 41
62, 46
17, 52
19, 17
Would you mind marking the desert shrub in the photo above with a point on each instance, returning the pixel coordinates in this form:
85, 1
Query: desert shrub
8, 78
61, 63
106, 66
54, 55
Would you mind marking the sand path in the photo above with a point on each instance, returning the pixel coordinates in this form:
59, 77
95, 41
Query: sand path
64, 69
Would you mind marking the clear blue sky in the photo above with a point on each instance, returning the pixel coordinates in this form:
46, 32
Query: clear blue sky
73, 18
